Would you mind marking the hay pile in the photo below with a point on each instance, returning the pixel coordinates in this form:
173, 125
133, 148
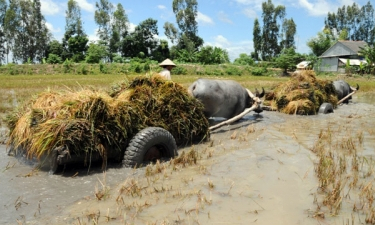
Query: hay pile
91, 120
302, 94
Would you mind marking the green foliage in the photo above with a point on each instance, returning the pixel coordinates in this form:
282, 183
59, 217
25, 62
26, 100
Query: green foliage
369, 54
321, 43
136, 67
288, 60
103, 67
259, 71
233, 70
118, 59
67, 66
353, 22
83, 69
178, 70
54, 59
186, 38
272, 17
212, 55
95, 53
244, 59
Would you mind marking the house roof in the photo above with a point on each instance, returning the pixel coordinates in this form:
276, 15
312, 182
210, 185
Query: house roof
341, 48
355, 46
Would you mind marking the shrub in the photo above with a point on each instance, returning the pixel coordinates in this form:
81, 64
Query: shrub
232, 70
259, 71
178, 70
54, 59
103, 67
135, 67
67, 66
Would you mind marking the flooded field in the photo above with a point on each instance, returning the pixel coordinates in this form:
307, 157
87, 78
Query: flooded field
270, 168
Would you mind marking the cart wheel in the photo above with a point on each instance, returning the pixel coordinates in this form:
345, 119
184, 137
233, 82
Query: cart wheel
149, 145
326, 108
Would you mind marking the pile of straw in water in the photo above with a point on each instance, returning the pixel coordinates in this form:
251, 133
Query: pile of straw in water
91, 120
302, 94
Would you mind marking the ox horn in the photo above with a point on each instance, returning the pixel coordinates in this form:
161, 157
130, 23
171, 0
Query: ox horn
354, 89
261, 94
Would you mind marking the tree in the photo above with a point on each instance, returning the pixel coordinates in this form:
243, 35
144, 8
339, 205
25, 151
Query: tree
75, 39
257, 39
244, 59
271, 16
321, 43
11, 25
3, 9
119, 30
55, 47
359, 23
95, 53
30, 35
42, 35
212, 55
186, 38
289, 29
103, 14
142, 42
369, 53
288, 59
162, 51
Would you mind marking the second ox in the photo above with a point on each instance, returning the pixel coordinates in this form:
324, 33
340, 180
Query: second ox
222, 98
343, 89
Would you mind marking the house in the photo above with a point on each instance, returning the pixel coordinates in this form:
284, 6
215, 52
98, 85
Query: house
337, 56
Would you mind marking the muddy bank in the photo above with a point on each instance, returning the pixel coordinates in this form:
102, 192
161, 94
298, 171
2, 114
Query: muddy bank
259, 170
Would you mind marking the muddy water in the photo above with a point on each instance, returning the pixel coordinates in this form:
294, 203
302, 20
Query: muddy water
259, 170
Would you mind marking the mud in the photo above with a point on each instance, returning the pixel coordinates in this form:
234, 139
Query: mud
259, 170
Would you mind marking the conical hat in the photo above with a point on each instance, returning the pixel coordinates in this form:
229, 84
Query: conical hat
167, 62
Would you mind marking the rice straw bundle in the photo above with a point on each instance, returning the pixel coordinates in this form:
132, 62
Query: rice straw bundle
302, 94
90, 120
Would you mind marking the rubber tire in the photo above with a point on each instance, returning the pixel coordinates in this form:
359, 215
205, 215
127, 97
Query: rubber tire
325, 108
143, 141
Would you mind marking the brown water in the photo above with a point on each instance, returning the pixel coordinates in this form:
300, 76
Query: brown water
259, 170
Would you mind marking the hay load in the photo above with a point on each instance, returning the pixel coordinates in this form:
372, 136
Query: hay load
302, 94
89, 120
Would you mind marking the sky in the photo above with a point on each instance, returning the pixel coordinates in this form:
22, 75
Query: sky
227, 24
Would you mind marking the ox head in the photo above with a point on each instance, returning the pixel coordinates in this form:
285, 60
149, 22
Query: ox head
251, 98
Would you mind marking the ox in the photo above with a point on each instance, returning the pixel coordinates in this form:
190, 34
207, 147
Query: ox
343, 89
222, 98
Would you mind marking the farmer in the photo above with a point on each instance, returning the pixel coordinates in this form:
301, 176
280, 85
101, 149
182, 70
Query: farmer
167, 67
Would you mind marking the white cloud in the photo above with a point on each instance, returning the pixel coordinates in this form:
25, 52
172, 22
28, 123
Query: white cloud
84, 5
234, 49
224, 17
318, 7
249, 12
52, 29
204, 19
49, 7
131, 27
161, 7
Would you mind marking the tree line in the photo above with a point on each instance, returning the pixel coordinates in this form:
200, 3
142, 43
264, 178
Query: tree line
23, 33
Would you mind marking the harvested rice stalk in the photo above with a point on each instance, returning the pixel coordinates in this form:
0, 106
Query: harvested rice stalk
302, 94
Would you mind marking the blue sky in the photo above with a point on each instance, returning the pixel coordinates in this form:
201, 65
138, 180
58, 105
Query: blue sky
223, 23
